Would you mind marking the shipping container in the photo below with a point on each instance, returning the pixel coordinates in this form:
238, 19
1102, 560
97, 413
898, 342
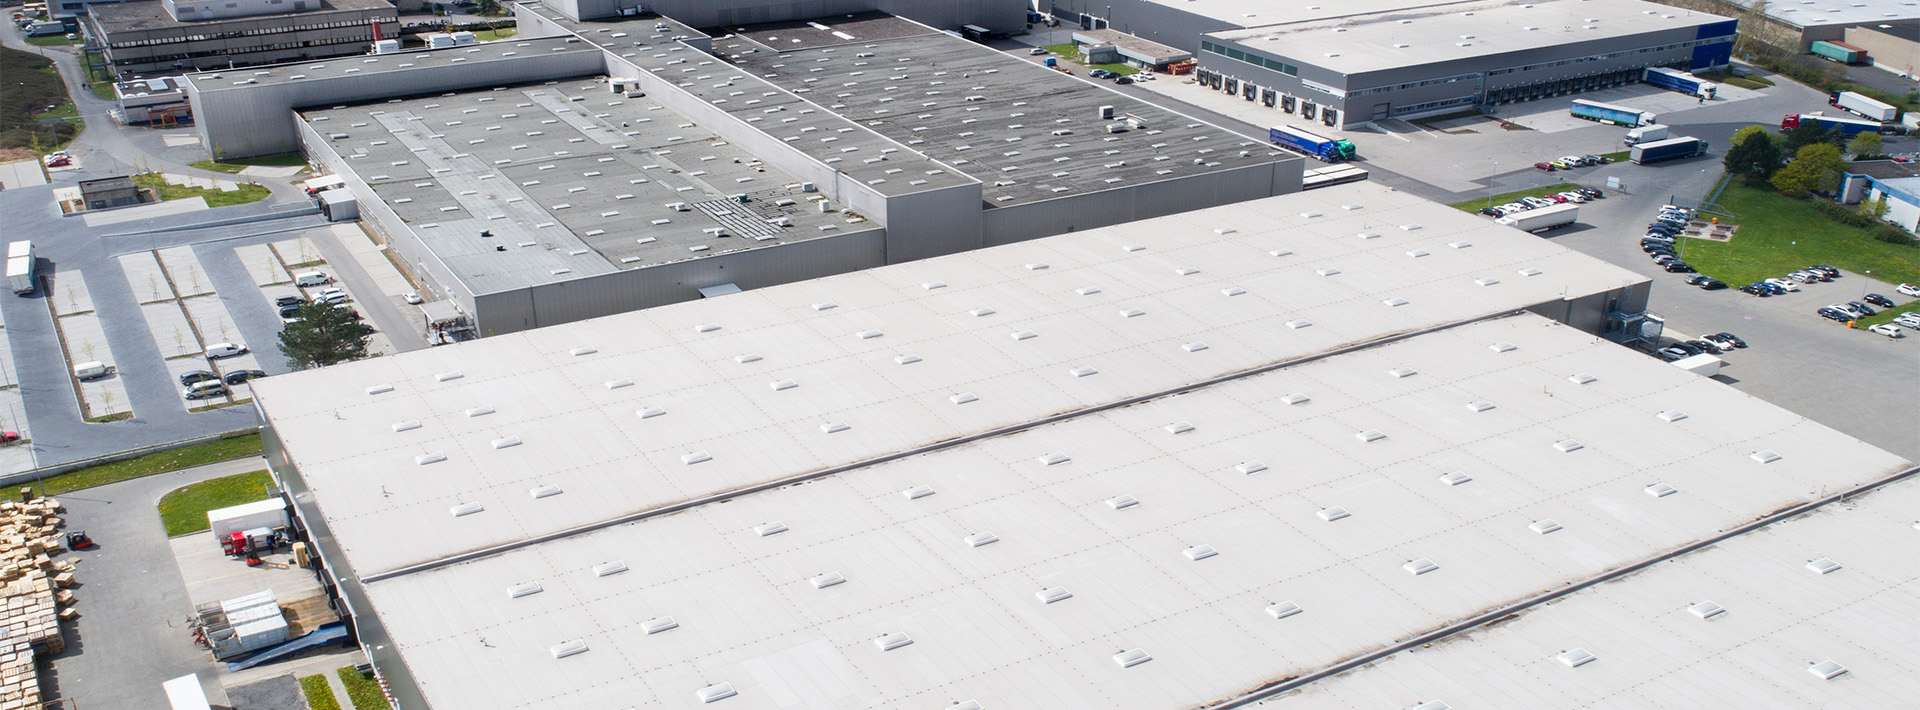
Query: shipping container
1839, 51
1610, 113
1669, 149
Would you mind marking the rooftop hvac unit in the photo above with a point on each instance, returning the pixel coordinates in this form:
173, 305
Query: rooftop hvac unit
1106, 113
635, 93
1136, 123
1116, 128
806, 187
678, 206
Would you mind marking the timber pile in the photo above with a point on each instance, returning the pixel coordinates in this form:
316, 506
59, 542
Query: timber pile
34, 597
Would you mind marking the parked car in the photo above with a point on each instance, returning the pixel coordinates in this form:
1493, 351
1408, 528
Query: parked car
1123, 80
1802, 277
1593, 192
285, 301
1757, 289
1861, 308
289, 314
1100, 74
1594, 159
188, 378
1570, 161
1678, 267
1555, 198
1835, 314
1544, 166
217, 351
1773, 289
331, 295
1784, 284
1707, 346
240, 376
1907, 290
1723, 343
1887, 329
1910, 320
1878, 300
1573, 196
1731, 338
1824, 269
1537, 201
1036, 51
1488, 211
58, 161
1686, 347
1711, 285
1671, 354
218, 390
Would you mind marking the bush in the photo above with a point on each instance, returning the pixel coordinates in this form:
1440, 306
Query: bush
1893, 235
1840, 213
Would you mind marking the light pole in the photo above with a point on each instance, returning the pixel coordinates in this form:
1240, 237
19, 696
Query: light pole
1496, 173
1864, 282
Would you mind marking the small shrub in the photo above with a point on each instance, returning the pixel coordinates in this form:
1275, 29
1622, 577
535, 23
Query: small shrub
1893, 235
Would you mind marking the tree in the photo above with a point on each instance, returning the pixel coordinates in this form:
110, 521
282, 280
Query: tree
1815, 168
323, 334
1803, 135
1864, 144
1754, 155
1876, 208
490, 8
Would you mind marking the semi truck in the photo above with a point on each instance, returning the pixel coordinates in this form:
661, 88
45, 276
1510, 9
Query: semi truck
1861, 104
1676, 80
1609, 113
1846, 126
1645, 134
1839, 51
1326, 149
1543, 219
1669, 149
20, 264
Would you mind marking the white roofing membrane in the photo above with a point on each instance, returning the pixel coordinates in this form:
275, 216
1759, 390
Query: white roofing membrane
1764, 621
720, 424
749, 611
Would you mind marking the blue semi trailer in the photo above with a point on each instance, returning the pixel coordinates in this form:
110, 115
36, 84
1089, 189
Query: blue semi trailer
1326, 149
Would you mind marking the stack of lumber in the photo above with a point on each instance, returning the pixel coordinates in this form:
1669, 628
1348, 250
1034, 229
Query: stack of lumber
34, 597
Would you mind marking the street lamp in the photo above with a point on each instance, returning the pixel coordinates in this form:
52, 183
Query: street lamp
1865, 282
1496, 173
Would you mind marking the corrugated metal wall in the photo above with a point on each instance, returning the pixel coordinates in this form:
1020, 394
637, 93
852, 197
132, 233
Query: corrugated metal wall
1006, 225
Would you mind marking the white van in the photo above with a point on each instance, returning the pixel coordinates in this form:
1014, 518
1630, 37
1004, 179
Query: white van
91, 370
205, 389
311, 279
220, 350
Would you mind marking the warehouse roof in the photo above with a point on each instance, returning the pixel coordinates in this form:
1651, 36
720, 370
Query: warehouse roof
1754, 622
1130, 558
1257, 13
1217, 291
1387, 40
380, 64
1027, 132
540, 183
149, 15
1819, 13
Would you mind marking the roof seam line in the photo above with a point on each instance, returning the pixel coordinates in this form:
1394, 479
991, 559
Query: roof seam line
907, 453
1530, 602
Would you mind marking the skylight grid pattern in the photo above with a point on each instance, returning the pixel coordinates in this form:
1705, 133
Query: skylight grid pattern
1133, 580
614, 461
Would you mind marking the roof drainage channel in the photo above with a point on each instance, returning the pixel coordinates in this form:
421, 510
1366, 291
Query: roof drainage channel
908, 453
1270, 691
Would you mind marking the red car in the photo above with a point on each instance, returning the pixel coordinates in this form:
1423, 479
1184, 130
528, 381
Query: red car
1544, 166
58, 161
7, 437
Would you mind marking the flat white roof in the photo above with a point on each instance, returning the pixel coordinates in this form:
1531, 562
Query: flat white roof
1235, 535
1259, 13
1356, 44
1818, 13
1740, 625
742, 385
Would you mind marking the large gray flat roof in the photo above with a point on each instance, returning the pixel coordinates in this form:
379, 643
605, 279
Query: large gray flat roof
369, 65
1260, 13
1026, 132
1389, 40
1819, 13
572, 179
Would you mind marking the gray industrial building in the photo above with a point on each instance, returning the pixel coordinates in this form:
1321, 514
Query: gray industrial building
1349, 64
600, 166
1796, 25
160, 36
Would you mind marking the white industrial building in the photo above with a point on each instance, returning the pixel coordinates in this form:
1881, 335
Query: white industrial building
1153, 465
596, 167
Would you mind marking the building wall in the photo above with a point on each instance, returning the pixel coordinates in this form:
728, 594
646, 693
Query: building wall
1165, 24
1902, 209
258, 119
934, 223
1898, 53
1590, 313
223, 43
1437, 87
1006, 225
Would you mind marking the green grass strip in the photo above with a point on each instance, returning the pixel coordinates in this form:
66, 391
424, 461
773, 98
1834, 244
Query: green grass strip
184, 510
363, 690
319, 694
237, 447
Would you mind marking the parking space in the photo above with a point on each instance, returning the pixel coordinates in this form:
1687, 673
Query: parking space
262, 264
17, 456
83, 340
309, 260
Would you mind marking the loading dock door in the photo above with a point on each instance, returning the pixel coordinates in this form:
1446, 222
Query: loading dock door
1381, 111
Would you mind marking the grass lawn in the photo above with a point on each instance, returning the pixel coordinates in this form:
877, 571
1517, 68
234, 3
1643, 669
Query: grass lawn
160, 462
1071, 53
104, 90
59, 40
66, 109
1475, 205
319, 694
234, 166
215, 198
1779, 235
1619, 157
184, 510
492, 35
363, 690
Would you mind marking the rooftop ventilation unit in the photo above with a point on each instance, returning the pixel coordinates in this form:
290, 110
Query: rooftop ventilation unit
1053, 594
608, 569
1542, 527
427, 458
478, 412
1087, 290
1122, 502
715, 692
966, 705
1672, 415
1299, 323
906, 359
649, 412
1575, 658
1764, 456
1283, 610
1420, 566
829, 579
380, 389
1823, 566
1199, 552
1567, 446
917, 492
1023, 335
1106, 113
1178, 428
1334, 513
1326, 271
1129, 659
1454, 478
465, 509
408, 425
696, 457
981, 539
1660, 490
524, 589
570, 648
1194, 347
547, 491
1581, 378
1480, 405
659, 624
834, 427
1296, 398
963, 398
891, 641
766, 529
1395, 302
1370, 435
1232, 291
1053, 458
1250, 467
1706, 609
1502, 347
1403, 372
1827, 670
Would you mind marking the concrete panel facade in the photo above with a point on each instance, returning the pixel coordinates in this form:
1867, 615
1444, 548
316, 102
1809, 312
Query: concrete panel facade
1167, 25
1896, 49
1007, 225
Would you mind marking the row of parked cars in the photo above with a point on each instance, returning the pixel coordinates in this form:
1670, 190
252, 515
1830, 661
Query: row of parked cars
1705, 344
1660, 244
1581, 195
1570, 162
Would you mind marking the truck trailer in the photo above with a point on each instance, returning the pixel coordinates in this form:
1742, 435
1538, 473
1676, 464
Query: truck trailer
1543, 219
1838, 51
1676, 80
1669, 149
1645, 134
1610, 113
20, 266
1326, 149
1857, 103
1845, 125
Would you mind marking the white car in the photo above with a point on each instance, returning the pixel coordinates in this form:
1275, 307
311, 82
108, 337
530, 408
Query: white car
1847, 309
413, 298
221, 350
1908, 290
1538, 201
1887, 329
332, 295
1783, 283
1910, 322
1574, 196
